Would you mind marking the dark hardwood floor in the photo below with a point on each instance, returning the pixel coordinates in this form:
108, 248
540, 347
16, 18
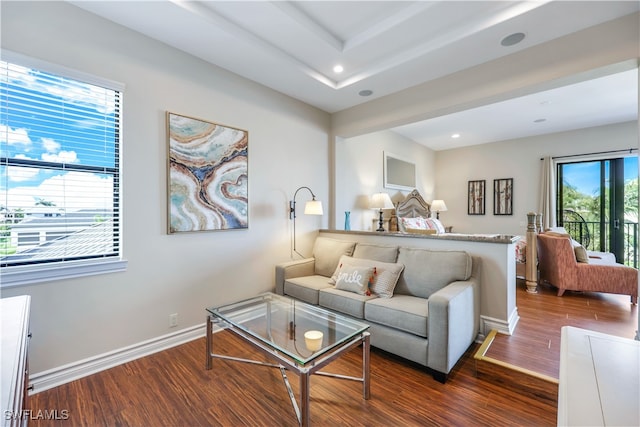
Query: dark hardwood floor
172, 388
535, 344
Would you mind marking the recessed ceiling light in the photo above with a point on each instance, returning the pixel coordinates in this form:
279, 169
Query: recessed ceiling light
338, 69
539, 120
365, 92
455, 135
512, 39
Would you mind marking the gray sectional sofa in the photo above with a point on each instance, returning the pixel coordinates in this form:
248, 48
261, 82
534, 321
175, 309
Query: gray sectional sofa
422, 305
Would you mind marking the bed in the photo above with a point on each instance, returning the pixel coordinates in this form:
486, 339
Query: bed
413, 215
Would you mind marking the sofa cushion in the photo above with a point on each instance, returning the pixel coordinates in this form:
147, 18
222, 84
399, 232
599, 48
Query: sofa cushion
305, 288
404, 312
354, 278
327, 253
385, 275
376, 252
427, 271
344, 302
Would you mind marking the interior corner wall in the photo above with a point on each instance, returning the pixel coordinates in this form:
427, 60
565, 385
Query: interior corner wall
359, 174
184, 273
518, 159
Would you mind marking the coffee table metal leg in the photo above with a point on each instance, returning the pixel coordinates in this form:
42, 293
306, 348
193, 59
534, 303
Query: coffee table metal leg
209, 341
304, 398
366, 393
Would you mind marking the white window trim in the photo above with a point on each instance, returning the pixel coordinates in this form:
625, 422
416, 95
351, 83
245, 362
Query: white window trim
49, 67
32, 274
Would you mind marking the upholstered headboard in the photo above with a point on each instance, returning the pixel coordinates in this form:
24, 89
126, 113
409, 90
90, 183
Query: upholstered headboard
413, 206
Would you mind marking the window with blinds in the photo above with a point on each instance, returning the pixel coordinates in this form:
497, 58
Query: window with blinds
59, 170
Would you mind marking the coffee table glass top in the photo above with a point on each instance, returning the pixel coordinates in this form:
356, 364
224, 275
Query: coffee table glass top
282, 323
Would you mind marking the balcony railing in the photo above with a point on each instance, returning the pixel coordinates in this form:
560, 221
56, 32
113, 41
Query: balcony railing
588, 234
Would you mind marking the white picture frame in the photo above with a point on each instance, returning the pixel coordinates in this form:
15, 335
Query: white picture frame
399, 173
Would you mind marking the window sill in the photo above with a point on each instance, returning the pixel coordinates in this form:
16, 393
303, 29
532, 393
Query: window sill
31, 275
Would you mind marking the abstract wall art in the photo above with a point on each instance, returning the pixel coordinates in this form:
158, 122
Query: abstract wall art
207, 175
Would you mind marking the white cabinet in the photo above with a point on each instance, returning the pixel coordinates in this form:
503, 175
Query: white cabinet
599, 379
14, 315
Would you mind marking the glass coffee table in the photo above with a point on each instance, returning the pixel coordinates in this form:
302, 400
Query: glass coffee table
299, 337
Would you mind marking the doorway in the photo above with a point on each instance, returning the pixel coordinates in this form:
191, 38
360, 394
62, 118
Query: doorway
598, 205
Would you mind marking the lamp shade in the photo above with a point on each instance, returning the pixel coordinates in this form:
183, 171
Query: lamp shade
438, 206
313, 207
381, 201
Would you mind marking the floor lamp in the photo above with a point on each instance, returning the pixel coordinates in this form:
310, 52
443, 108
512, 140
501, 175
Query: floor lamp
312, 207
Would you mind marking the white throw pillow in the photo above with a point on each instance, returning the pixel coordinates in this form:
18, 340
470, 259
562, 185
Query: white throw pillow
580, 251
355, 279
385, 274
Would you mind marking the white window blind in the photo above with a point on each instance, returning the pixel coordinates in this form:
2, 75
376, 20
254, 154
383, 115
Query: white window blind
59, 171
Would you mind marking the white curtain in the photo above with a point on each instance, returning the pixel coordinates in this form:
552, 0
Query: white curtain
547, 201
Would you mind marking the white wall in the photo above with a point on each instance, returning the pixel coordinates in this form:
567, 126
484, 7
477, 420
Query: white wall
359, 174
520, 160
76, 319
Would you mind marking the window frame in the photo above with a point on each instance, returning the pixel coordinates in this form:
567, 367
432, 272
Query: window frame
21, 275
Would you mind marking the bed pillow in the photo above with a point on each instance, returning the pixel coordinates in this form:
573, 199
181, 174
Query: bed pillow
356, 279
417, 223
521, 251
435, 224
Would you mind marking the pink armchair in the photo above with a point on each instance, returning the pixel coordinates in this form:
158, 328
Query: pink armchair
558, 266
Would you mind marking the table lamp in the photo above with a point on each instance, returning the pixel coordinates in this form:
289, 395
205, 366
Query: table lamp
381, 201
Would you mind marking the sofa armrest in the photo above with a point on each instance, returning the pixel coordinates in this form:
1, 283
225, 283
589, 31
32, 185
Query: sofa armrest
297, 268
454, 321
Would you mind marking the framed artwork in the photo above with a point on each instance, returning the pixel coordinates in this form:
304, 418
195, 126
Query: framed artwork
399, 173
207, 175
503, 196
476, 198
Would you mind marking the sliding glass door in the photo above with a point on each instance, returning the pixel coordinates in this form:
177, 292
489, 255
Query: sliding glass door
598, 205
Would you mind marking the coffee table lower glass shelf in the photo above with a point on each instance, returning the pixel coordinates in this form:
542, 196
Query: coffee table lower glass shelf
300, 337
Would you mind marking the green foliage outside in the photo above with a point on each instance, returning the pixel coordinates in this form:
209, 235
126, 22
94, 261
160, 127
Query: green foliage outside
588, 206
5, 242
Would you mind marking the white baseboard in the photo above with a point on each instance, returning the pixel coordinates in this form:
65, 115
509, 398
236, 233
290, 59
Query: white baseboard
51, 378
489, 323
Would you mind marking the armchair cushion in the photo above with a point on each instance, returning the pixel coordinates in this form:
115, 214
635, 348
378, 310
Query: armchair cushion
580, 252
